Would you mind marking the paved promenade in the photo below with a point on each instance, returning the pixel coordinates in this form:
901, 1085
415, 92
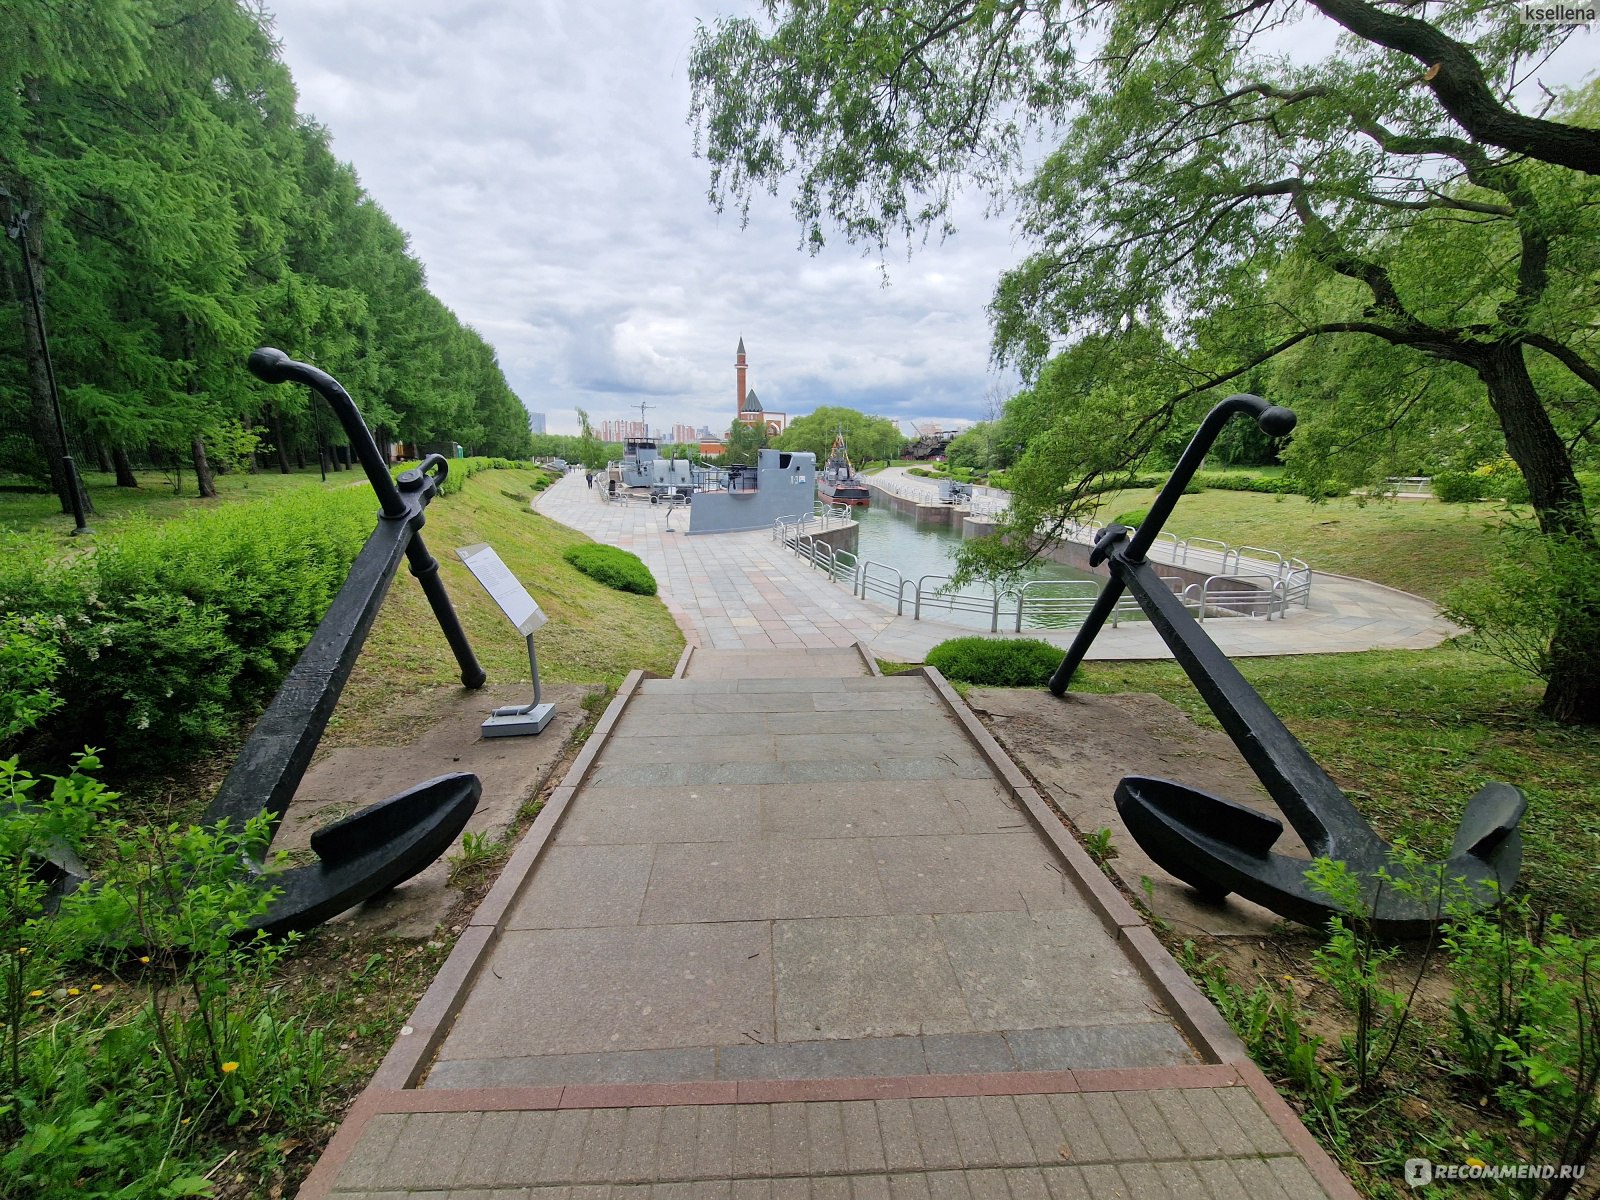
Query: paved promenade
791, 931
745, 591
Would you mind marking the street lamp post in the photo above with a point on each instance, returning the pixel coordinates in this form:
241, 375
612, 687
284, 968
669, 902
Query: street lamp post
17, 231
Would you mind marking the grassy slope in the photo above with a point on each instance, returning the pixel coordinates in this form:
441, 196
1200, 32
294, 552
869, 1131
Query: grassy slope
595, 634
1420, 546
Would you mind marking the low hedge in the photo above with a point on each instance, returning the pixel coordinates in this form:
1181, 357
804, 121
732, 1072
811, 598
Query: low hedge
170, 632
613, 567
997, 662
463, 469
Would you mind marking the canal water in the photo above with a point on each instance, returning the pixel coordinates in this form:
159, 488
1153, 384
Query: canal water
919, 549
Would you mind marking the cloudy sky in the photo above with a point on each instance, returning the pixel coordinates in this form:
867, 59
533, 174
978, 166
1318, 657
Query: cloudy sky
537, 153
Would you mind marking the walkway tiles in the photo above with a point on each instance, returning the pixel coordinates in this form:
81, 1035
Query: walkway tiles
784, 936
744, 591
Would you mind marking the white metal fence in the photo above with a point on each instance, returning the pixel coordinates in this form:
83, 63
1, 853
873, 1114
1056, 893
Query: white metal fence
1046, 603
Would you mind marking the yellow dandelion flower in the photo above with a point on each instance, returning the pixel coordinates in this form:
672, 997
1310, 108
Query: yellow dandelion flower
185, 1121
95, 987
1474, 1161
74, 992
228, 1068
144, 958
35, 994
24, 951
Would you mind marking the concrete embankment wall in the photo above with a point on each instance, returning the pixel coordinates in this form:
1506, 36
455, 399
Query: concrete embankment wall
926, 514
841, 537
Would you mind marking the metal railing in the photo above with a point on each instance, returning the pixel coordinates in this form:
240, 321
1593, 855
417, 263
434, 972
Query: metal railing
982, 506
1213, 554
821, 517
1248, 581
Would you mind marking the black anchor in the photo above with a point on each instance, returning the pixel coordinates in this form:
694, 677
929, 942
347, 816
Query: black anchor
385, 843
1218, 846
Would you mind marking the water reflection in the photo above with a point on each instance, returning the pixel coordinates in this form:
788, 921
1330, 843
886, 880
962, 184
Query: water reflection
918, 550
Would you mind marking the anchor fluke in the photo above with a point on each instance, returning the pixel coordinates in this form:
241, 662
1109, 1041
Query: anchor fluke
371, 851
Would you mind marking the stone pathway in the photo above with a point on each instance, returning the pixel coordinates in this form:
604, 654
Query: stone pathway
743, 590
790, 930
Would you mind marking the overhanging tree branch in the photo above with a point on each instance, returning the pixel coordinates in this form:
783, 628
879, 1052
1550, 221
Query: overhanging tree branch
1456, 78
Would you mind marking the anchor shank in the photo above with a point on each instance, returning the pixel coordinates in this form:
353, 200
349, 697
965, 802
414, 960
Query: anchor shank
1092, 623
1320, 813
274, 759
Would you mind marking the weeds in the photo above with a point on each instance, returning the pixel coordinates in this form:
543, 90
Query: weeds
140, 1019
1099, 846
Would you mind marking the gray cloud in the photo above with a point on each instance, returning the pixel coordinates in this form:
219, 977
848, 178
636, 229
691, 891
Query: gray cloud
538, 155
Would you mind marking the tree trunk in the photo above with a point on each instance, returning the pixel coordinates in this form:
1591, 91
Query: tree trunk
1572, 692
125, 476
102, 459
41, 408
255, 457
202, 470
275, 422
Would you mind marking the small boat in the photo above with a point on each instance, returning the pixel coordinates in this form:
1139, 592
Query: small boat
838, 483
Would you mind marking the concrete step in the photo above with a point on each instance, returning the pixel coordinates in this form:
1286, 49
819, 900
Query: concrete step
725, 664
755, 684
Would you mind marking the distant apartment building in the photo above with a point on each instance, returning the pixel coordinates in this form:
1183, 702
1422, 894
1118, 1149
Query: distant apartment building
536, 422
620, 431
684, 433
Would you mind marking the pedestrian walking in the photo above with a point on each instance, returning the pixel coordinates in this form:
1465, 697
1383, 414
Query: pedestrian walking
589, 478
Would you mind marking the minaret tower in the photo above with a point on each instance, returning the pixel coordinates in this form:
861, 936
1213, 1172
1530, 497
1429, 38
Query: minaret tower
739, 368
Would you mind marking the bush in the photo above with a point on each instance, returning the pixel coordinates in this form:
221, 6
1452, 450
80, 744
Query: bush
121, 1070
1133, 518
1534, 585
613, 567
169, 632
1279, 485
1460, 487
996, 662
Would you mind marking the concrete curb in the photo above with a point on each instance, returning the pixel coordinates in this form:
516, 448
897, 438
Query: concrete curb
867, 657
423, 1033
682, 668
1186, 1003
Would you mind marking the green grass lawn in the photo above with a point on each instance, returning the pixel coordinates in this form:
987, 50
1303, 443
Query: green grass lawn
595, 634
1419, 546
155, 497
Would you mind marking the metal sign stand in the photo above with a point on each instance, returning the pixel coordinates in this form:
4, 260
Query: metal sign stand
515, 720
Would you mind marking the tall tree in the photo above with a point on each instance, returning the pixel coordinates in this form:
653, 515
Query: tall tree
1418, 208
867, 437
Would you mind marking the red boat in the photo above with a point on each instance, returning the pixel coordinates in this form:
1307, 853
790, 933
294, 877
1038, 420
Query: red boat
838, 483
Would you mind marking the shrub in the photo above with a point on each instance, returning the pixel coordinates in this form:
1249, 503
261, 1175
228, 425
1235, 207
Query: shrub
1133, 518
170, 631
996, 662
123, 1086
1279, 485
613, 567
1534, 585
1460, 487
1503, 480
